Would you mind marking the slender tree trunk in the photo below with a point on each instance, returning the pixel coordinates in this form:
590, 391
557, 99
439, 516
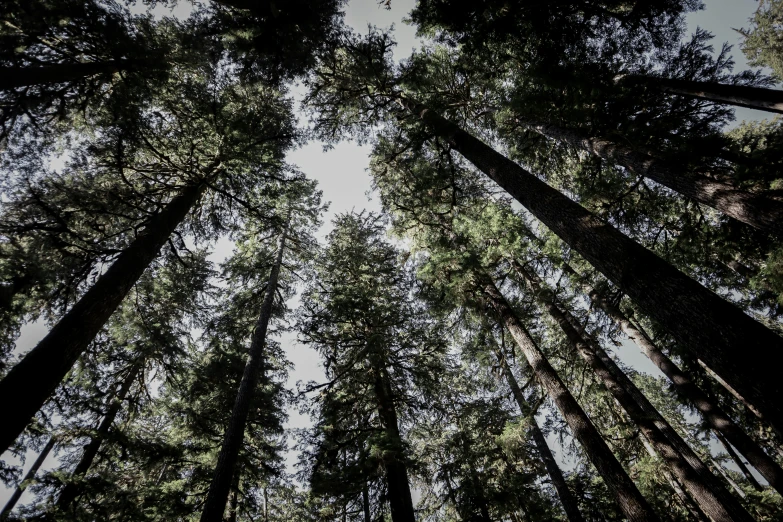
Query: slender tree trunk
733, 484
72, 490
233, 500
366, 503
704, 323
30, 475
33, 379
758, 210
631, 502
738, 461
710, 410
760, 98
399, 490
713, 499
266, 505
570, 504
12, 77
215, 504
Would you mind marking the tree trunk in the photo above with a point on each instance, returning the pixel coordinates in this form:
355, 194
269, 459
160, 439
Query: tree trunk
713, 499
72, 490
30, 475
759, 98
631, 502
570, 504
710, 410
215, 504
12, 77
710, 327
399, 490
33, 379
233, 500
738, 461
366, 503
758, 210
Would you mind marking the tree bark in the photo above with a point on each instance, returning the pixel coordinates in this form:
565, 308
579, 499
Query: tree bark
72, 490
738, 461
713, 499
30, 475
759, 98
704, 323
398, 486
13, 77
570, 504
215, 504
758, 210
631, 502
710, 410
33, 379
366, 503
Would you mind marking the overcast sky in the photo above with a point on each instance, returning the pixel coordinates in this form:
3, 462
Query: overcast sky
343, 178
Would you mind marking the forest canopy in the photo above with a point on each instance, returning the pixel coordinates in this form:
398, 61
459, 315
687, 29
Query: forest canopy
560, 184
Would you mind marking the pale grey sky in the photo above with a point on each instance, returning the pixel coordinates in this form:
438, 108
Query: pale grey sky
342, 173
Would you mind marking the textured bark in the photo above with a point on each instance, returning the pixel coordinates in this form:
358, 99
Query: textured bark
760, 98
215, 504
758, 210
570, 504
12, 77
738, 461
710, 410
9, 506
713, 499
630, 501
33, 379
704, 323
397, 484
72, 490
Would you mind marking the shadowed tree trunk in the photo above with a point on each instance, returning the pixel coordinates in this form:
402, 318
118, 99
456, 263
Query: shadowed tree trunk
72, 490
760, 98
758, 210
366, 503
215, 504
33, 379
704, 323
570, 504
713, 499
631, 502
11, 77
30, 475
738, 461
710, 410
398, 486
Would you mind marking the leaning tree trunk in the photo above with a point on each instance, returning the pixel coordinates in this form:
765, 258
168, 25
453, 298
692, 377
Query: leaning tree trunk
738, 461
758, 210
215, 504
713, 499
12, 77
631, 502
710, 410
398, 486
72, 490
30, 475
707, 325
570, 504
760, 98
33, 379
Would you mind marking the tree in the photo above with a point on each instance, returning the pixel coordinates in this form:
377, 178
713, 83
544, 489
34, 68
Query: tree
763, 42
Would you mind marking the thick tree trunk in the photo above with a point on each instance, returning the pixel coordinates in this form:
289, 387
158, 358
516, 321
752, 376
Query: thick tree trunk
710, 327
738, 461
12, 77
33, 379
30, 475
760, 98
570, 504
710, 410
398, 486
758, 210
72, 490
713, 499
631, 502
215, 504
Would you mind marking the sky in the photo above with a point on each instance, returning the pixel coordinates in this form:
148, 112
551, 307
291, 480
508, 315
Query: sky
343, 178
